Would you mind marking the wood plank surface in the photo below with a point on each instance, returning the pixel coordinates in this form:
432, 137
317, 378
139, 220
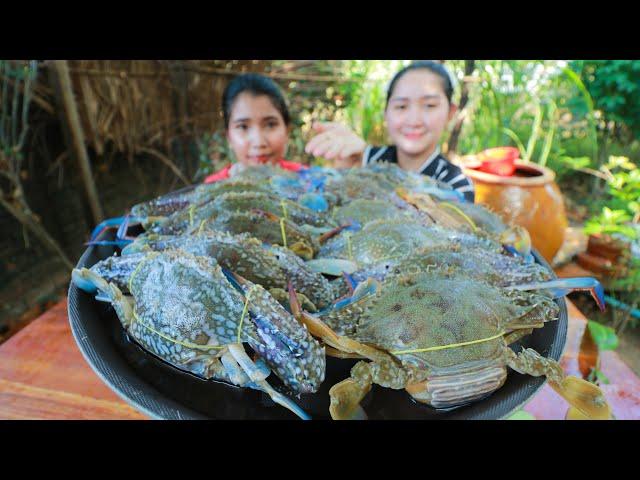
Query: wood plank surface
43, 375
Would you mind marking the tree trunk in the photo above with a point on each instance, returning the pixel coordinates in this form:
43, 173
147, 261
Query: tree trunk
77, 136
469, 66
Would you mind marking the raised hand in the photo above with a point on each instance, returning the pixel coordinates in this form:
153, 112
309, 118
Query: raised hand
335, 141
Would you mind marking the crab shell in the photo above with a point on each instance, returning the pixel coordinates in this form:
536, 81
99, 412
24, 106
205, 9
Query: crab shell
363, 211
494, 267
265, 227
383, 239
173, 208
244, 201
427, 310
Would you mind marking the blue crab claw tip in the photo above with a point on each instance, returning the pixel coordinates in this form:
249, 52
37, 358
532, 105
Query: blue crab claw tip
82, 283
526, 256
560, 288
590, 284
117, 243
121, 223
442, 194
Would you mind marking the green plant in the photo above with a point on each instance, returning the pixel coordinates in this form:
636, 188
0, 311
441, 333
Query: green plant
364, 98
622, 204
615, 87
213, 154
605, 338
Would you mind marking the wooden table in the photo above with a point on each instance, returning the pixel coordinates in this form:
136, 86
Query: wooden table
43, 375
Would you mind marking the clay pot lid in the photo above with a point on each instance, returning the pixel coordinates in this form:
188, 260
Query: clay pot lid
526, 175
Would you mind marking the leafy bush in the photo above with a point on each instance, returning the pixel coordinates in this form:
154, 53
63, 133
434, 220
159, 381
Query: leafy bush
622, 202
615, 87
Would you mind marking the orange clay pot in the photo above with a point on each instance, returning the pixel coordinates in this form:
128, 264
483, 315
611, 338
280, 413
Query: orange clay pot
529, 198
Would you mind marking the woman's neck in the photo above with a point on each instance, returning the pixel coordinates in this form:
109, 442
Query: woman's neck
414, 163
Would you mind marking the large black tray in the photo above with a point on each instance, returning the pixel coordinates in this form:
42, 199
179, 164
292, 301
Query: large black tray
162, 391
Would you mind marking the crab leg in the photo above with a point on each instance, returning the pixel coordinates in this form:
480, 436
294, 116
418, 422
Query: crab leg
560, 288
347, 395
426, 204
579, 393
332, 266
91, 282
121, 236
333, 232
318, 329
257, 376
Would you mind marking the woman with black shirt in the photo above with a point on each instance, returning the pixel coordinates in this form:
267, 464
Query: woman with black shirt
417, 111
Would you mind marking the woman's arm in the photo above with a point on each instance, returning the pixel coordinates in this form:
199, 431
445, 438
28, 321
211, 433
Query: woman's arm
337, 142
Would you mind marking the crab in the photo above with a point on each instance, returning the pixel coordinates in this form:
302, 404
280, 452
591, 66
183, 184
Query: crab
382, 239
186, 310
264, 226
478, 219
236, 202
158, 210
444, 339
269, 265
497, 268
363, 211
380, 179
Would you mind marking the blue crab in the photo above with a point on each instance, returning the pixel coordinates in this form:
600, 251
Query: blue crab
187, 311
474, 218
443, 339
158, 210
269, 265
382, 239
237, 202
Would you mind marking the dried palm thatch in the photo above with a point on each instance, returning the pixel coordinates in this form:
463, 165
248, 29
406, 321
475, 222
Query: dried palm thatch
143, 106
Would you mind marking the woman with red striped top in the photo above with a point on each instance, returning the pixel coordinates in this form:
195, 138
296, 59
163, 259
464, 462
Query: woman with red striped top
257, 124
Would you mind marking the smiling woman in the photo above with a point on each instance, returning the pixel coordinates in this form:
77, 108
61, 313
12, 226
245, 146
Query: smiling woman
257, 124
417, 111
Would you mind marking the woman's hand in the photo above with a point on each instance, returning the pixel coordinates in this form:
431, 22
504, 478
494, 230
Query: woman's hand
337, 142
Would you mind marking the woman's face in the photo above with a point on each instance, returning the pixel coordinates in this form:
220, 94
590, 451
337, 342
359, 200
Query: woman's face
418, 112
257, 133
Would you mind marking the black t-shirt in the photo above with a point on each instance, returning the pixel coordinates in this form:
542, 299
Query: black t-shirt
436, 167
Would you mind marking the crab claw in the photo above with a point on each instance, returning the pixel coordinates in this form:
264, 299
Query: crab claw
444, 195
351, 282
332, 266
257, 376
122, 223
91, 283
82, 281
560, 288
364, 289
517, 240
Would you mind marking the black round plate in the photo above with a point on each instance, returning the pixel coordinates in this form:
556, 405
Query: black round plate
163, 391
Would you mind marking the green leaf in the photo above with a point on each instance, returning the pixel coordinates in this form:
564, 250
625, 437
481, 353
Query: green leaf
521, 415
576, 162
604, 337
601, 377
537, 120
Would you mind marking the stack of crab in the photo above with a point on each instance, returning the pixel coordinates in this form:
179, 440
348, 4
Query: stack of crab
377, 264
